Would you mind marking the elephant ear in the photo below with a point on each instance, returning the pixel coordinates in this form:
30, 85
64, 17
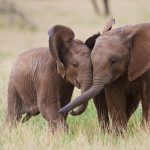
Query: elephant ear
108, 25
90, 42
139, 51
60, 38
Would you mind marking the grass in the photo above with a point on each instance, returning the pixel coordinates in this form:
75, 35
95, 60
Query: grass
84, 130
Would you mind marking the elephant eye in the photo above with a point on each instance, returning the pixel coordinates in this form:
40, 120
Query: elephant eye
114, 60
74, 64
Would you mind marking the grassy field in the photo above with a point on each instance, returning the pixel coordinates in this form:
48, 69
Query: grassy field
84, 130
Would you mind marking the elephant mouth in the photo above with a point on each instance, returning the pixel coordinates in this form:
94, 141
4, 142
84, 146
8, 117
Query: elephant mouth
77, 84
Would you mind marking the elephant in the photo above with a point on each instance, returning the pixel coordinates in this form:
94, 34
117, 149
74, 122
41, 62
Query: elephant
131, 98
120, 58
42, 79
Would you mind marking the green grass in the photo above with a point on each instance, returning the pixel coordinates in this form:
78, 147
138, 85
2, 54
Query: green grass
84, 131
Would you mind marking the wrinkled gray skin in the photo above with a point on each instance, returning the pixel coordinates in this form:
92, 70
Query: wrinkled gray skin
42, 79
118, 52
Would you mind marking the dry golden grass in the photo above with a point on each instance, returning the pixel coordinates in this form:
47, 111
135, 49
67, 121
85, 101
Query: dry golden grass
84, 130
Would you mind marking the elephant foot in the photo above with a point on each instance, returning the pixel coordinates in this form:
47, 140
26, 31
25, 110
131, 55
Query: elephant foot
58, 127
116, 132
104, 126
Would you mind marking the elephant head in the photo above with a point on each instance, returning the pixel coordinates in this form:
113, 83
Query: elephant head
118, 51
72, 58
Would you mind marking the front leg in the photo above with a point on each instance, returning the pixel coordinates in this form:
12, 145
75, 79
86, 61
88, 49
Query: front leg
66, 92
117, 108
102, 110
49, 108
48, 100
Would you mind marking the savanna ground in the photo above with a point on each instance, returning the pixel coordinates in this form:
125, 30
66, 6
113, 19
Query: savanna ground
84, 130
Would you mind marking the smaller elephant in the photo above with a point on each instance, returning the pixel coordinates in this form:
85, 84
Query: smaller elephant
120, 57
42, 79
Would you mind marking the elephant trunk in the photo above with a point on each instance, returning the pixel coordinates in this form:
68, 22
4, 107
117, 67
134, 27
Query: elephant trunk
86, 83
84, 98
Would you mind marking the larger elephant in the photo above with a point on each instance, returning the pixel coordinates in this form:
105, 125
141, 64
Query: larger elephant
124, 51
42, 79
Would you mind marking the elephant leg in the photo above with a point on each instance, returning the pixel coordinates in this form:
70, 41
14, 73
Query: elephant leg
132, 102
66, 93
14, 107
49, 108
145, 98
51, 99
117, 108
102, 110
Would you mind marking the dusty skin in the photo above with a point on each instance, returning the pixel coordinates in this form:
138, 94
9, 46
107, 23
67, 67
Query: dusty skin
84, 132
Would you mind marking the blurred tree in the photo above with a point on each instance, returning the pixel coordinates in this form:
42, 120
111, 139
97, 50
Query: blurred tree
12, 13
96, 8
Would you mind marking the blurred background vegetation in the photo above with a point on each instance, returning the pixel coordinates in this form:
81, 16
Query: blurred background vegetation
24, 23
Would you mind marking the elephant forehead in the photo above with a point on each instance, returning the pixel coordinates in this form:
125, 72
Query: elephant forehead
108, 40
78, 53
109, 44
79, 49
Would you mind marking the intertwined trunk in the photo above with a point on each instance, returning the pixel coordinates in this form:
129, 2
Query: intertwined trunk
84, 97
86, 83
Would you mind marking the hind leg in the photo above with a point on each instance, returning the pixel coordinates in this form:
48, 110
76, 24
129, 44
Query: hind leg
14, 112
132, 102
